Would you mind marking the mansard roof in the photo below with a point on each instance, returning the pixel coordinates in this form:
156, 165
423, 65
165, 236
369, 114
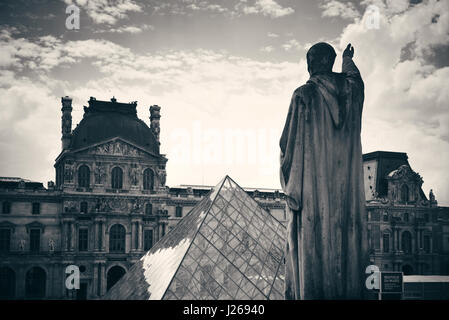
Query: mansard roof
104, 120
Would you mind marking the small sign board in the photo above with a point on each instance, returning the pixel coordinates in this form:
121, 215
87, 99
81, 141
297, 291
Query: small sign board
391, 285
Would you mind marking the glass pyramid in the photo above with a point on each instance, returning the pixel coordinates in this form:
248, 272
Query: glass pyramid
226, 247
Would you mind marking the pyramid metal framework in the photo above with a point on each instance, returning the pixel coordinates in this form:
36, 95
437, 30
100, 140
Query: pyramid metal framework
226, 247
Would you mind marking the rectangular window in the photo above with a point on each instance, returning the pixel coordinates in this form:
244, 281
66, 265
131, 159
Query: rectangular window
148, 239
427, 243
178, 211
406, 217
83, 239
376, 237
386, 243
5, 240
375, 216
36, 208
83, 207
35, 240
6, 207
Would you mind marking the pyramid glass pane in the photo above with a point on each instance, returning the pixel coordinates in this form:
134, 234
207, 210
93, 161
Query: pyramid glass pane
227, 247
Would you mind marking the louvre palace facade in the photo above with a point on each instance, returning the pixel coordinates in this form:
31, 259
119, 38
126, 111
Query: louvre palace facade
109, 205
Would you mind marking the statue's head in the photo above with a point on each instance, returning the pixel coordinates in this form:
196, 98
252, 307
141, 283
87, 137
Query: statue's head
320, 58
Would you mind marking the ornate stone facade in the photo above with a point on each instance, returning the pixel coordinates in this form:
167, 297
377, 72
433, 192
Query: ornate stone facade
408, 232
110, 204
103, 212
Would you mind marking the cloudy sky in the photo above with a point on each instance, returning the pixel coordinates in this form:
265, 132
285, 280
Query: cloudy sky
223, 72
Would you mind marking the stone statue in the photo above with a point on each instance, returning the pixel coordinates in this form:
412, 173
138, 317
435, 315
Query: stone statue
99, 173
22, 243
431, 196
136, 206
105, 206
68, 171
322, 176
162, 176
51, 245
134, 175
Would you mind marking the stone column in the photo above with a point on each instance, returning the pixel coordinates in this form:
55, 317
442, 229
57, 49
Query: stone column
73, 236
136, 235
416, 241
420, 238
64, 237
140, 228
103, 236
95, 280
64, 277
20, 282
69, 235
133, 236
103, 279
66, 121
96, 237
393, 241
398, 241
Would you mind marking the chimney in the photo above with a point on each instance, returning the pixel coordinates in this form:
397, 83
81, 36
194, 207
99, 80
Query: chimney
155, 117
66, 121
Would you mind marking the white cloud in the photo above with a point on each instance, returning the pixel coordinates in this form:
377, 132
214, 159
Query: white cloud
187, 7
235, 8
28, 127
292, 44
221, 90
334, 8
406, 100
133, 29
272, 35
106, 11
405, 105
201, 5
269, 8
267, 49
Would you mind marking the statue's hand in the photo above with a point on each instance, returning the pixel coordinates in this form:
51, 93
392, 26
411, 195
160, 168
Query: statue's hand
349, 51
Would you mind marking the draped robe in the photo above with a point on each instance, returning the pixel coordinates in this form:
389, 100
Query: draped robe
322, 176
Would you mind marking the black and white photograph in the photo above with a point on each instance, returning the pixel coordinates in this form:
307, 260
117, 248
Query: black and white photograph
224, 153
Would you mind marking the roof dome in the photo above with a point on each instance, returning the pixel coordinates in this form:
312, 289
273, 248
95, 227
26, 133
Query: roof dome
105, 120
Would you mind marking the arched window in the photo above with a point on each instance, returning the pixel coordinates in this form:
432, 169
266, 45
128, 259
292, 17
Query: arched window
406, 242
148, 179
404, 194
35, 283
117, 235
7, 283
149, 209
114, 275
117, 178
84, 176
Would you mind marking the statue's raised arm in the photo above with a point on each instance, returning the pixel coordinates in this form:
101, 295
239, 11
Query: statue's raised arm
348, 66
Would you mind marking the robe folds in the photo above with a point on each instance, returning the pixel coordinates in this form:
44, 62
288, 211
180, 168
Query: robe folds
322, 176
